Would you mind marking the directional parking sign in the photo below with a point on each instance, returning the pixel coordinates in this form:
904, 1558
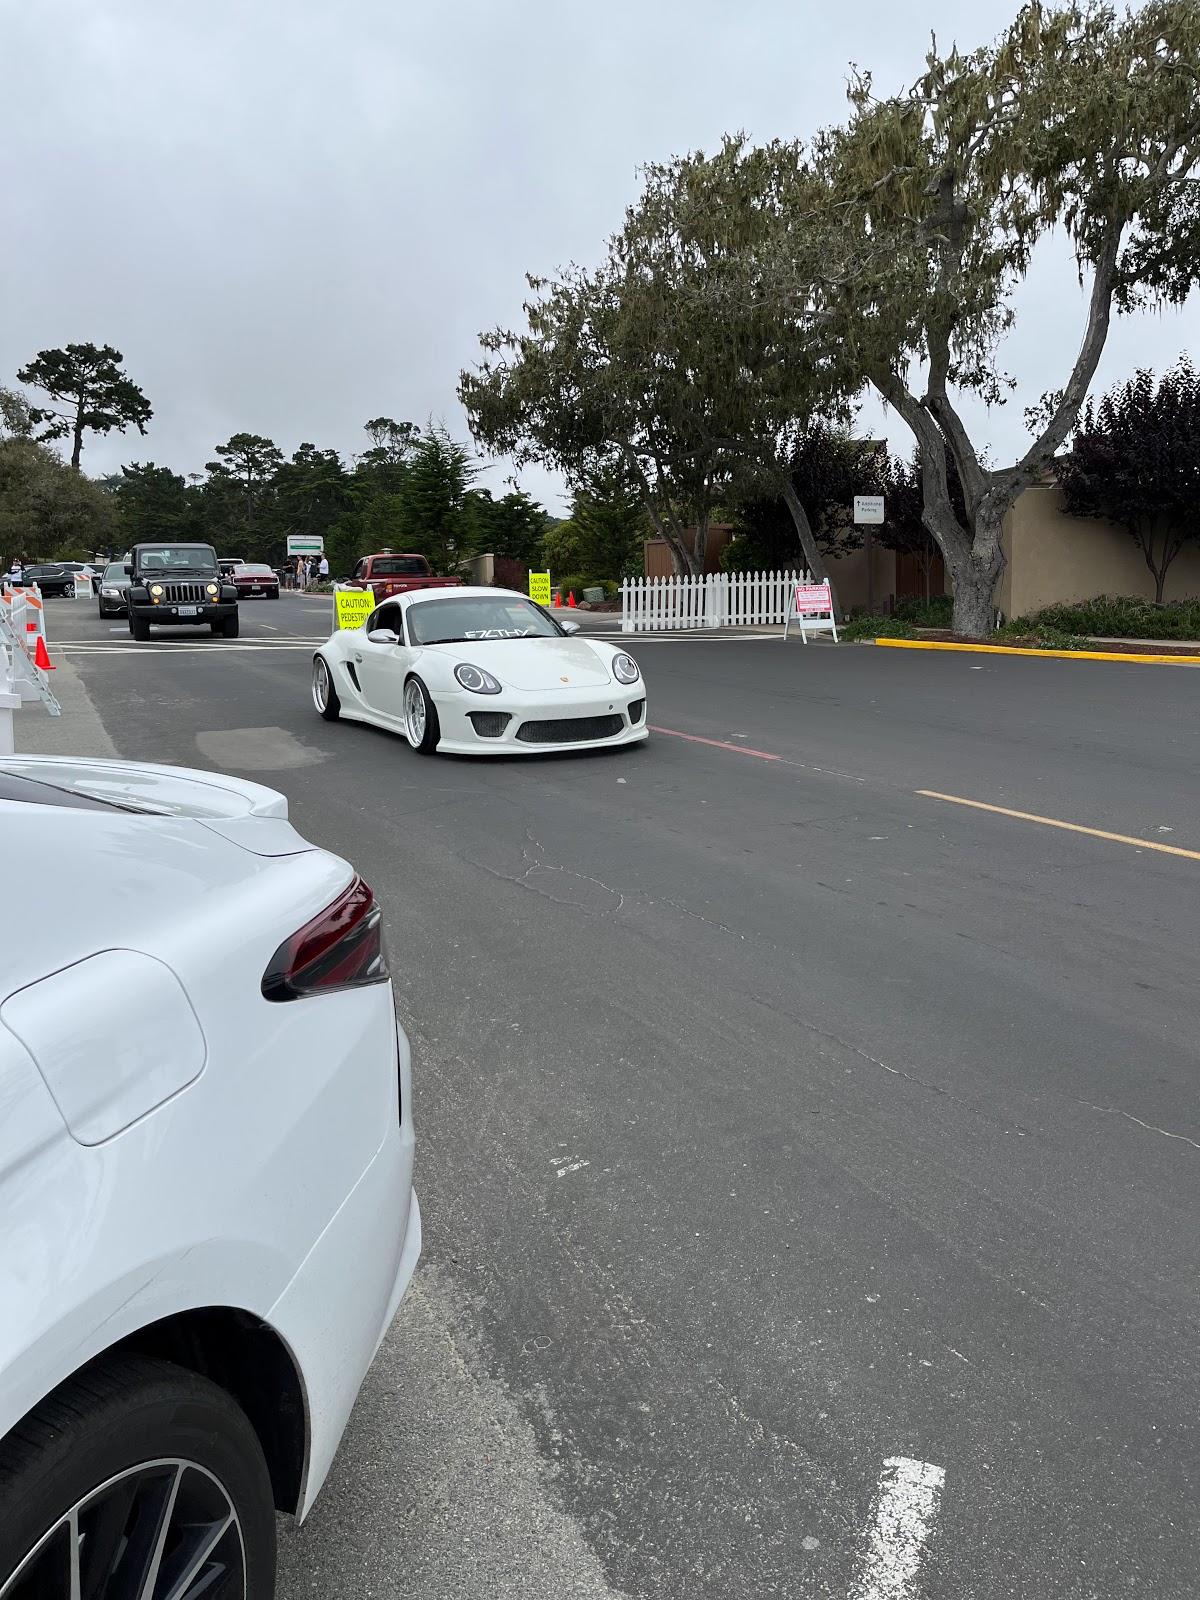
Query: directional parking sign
352, 607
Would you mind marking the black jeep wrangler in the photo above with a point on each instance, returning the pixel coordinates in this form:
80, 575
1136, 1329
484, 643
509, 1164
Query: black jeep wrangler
179, 586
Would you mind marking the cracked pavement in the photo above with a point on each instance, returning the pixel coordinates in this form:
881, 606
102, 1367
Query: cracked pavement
774, 1122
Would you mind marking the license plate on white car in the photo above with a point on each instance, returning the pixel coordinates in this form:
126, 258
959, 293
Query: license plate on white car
188, 611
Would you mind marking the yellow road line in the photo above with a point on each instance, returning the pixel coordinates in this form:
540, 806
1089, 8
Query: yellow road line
1021, 650
1067, 827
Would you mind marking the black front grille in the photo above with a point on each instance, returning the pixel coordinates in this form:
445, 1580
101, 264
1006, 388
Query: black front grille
489, 724
184, 594
570, 730
637, 709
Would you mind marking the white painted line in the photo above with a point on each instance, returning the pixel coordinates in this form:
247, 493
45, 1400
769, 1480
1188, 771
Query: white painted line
903, 1510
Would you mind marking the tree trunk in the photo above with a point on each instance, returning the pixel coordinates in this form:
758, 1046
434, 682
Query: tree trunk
77, 444
701, 549
974, 608
974, 560
813, 558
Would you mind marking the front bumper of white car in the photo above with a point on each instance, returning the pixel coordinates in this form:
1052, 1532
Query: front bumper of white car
523, 723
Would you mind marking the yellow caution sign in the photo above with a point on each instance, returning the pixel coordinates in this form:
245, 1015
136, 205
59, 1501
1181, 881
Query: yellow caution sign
352, 607
539, 588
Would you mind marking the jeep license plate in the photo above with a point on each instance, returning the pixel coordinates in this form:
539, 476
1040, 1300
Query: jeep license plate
188, 611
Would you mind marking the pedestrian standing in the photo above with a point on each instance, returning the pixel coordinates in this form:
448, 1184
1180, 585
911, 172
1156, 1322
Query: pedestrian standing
323, 568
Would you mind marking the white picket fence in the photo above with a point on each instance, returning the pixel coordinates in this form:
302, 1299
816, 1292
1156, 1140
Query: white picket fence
719, 600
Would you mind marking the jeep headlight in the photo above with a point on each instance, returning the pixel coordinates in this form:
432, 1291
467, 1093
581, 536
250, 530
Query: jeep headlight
156, 591
212, 590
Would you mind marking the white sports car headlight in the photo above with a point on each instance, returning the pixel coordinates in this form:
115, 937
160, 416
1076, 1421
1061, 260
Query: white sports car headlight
476, 679
625, 668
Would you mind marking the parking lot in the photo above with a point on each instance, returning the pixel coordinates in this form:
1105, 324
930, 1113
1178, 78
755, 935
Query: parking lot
809, 1090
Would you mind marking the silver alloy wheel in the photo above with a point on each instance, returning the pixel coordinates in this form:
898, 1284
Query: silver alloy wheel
164, 1528
414, 712
320, 684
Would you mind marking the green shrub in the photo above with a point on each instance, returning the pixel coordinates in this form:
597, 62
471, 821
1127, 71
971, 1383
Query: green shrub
1122, 617
876, 628
932, 613
572, 583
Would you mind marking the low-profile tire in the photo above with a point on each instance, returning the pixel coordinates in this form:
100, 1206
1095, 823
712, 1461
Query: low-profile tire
325, 696
420, 718
139, 629
230, 627
69, 591
117, 1445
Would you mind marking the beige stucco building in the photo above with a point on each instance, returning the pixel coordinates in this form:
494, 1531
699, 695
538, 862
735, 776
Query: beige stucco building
1050, 558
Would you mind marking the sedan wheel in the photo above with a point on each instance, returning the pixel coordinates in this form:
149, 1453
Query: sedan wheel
136, 1480
69, 591
159, 1511
420, 718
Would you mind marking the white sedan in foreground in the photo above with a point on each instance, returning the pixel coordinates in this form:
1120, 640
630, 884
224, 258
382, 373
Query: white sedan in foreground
206, 1158
480, 672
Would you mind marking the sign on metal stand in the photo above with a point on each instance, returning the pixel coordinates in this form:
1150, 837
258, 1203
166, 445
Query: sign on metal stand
811, 606
868, 513
352, 607
539, 588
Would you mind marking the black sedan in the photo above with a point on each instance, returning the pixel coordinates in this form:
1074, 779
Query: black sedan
114, 589
53, 578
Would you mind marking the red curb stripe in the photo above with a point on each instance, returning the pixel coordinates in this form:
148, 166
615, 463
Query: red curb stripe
717, 744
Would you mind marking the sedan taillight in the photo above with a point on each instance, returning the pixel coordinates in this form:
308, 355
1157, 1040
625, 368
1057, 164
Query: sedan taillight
340, 949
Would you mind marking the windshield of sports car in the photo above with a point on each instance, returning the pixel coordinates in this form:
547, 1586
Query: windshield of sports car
173, 558
255, 569
477, 617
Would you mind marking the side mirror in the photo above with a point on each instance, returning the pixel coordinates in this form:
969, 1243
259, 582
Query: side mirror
128, 569
569, 627
383, 636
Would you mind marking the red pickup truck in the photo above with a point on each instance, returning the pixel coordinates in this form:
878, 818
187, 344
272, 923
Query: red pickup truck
394, 574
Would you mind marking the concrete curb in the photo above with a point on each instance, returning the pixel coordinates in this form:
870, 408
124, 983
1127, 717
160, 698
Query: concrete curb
1060, 655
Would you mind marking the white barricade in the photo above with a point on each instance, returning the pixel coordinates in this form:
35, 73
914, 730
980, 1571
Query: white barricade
22, 640
811, 608
718, 600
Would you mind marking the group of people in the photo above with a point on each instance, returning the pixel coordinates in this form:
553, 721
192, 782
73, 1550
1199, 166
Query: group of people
304, 571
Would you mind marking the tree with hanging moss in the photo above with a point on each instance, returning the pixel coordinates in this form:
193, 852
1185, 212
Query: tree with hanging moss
1078, 119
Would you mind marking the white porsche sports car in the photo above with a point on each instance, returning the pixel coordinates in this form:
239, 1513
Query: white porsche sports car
480, 672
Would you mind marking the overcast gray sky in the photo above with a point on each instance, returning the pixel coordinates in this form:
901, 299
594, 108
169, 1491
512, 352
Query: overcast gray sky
292, 215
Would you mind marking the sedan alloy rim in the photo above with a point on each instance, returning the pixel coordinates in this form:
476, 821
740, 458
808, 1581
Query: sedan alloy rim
164, 1528
414, 706
320, 685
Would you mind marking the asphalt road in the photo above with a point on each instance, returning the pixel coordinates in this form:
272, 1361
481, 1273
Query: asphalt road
776, 1121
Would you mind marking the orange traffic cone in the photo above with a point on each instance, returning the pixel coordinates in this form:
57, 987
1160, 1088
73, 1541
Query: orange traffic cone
41, 657
571, 599
558, 597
